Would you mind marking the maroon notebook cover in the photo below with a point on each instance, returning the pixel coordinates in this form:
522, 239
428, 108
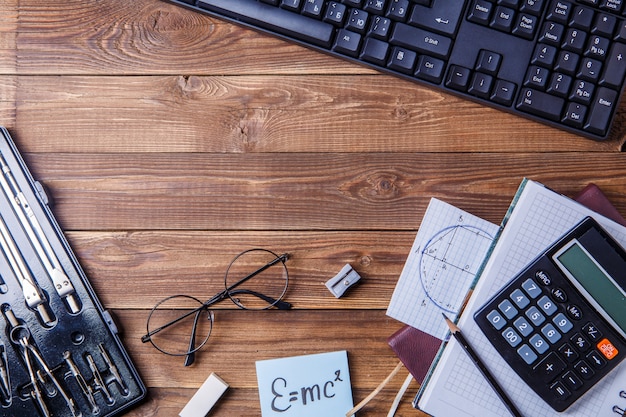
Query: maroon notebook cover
417, 349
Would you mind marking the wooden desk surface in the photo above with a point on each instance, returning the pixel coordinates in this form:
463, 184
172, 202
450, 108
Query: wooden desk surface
170, 141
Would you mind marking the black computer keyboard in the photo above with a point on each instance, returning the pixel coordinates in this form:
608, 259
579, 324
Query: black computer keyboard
561, 62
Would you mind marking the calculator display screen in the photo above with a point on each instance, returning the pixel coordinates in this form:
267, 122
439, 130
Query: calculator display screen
594, 280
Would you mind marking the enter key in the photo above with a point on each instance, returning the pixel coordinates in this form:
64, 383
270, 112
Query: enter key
442, 16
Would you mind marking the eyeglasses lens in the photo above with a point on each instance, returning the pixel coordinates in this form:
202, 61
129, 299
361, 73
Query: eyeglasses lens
267, 281
175, 339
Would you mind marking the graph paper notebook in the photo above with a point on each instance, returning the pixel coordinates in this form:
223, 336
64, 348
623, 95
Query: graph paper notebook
536, 218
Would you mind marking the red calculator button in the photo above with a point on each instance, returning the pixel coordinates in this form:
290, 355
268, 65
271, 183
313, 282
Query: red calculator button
608, 350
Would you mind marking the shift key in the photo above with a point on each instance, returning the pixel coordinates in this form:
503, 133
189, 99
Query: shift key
540, 104
421, 41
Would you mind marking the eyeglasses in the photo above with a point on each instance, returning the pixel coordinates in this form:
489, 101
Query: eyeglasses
180, 325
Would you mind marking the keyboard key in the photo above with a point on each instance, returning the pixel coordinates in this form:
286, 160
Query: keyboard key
488, 62
421, 41
560, 85
402, 60
575, 114
504, 92
443, 17
347, 42
582, 17
552, 33
590, 69
313, 8
615, 66
480, 12
604, 25
357, 21
601, 110
540, 104
503, 19
481, 85
398, 10
375, 51
458, 78
526, 26
335, 13
380, 27
430, 69
537, 77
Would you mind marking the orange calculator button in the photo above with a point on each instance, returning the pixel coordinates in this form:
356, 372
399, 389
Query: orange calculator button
608, 350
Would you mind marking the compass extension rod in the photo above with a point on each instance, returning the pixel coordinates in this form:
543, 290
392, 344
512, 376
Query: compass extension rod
32, 293
22, 208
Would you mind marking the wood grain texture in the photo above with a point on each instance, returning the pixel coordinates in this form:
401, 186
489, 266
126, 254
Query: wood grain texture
169, 141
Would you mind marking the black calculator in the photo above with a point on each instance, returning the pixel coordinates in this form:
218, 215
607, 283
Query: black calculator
561, 322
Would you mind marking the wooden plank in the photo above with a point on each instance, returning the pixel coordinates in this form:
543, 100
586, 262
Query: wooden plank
8, 35
161, 263
284, 191
309, 113
270, 335
152, 37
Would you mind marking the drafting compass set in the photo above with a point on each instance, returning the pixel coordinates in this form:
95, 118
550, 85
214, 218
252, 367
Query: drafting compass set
60, 354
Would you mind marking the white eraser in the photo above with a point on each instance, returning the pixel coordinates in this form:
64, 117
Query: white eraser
205, 398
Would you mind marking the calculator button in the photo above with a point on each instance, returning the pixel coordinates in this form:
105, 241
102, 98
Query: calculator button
523, 326
531, 288
496, 319
560, 391
543, 277
584, 370
607, 349
512, 337
568, 352
562, 323
572, 380
574, 312
550, 367
551, 333
540, 345
592, 332
547, 305
580, 342
535, 316
527, 354
596, 360
508, 309
559, 295
519, 298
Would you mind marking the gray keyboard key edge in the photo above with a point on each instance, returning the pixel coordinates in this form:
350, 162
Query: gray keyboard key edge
274, 19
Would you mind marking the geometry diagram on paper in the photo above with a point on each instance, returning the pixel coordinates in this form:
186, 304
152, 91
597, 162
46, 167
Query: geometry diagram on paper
447, 252
447, 266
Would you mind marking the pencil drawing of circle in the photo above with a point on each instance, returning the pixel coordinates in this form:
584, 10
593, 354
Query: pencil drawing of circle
446, 267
